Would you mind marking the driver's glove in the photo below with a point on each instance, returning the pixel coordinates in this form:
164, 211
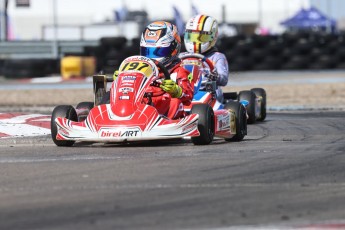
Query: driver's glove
172, 88
214, 75
116, 73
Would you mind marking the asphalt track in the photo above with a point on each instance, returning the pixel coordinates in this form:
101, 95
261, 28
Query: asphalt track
287, 173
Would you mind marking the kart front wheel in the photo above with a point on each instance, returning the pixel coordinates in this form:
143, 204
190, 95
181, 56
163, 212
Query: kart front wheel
83, 109
240, 120
205, 124
66, 111
261, 93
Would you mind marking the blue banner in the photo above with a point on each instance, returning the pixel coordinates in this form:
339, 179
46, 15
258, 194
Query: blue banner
179, 22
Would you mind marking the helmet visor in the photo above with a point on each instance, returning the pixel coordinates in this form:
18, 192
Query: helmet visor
198, 36
155, 52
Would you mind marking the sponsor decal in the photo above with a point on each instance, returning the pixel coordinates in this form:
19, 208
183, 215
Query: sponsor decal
126, 84
191, 62
142, 58
232, 121
224, 122
173, 76
106, 133
155, 26
128, 81
258, 102
129, 77
124, 97
151, 34
126, 90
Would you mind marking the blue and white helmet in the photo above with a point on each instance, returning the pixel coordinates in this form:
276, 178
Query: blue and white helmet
160, 41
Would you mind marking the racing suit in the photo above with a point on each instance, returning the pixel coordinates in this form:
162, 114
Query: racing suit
163, 102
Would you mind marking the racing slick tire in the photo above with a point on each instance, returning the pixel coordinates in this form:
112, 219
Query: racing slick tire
66, 111
206, 124
250, 97
84, 108
240, 120
260, 92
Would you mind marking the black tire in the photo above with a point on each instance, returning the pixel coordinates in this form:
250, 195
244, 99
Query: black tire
100, 93
303, 47
86, 106
275, 47
1, 66
260, 92
25, 68
206, 124
341, 53
297, 62
259, 41
250, 97
258, 55
230, 95
240, 120
113, 42
272, 62
241, 63
68, 112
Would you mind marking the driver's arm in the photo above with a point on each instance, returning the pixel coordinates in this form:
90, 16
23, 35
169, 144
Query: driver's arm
221, 64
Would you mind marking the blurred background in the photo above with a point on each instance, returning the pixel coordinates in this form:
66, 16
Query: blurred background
78, 38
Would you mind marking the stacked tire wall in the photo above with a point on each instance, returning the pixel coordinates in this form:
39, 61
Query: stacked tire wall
28, 68
113, 50
289, 51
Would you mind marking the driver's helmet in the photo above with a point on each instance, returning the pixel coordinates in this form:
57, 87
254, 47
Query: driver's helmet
201, 34
160, 41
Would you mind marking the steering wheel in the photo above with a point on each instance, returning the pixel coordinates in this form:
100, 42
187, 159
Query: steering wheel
199, 56
163, 69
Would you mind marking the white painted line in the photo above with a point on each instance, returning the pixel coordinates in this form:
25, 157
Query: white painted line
54, 79
10, 160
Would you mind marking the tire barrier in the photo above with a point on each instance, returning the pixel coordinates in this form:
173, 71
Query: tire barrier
113, 42
288, 51
1, 66
29, 68
117, 49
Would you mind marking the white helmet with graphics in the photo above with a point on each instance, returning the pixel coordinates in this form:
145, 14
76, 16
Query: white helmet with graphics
201, 33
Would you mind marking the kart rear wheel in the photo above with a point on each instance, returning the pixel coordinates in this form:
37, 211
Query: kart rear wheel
260, 92
205, 124
66, 111
83, 109
250, 97
240, 120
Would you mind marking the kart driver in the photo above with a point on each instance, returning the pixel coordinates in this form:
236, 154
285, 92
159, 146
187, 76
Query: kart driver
160, 41
200, 36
